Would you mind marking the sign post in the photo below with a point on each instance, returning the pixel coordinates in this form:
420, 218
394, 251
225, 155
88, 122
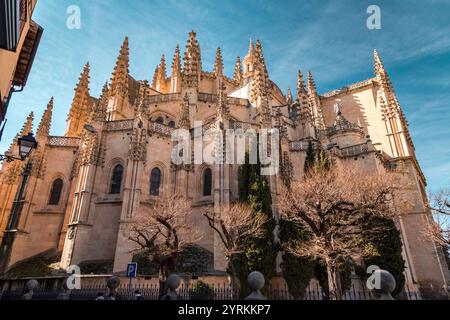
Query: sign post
131, 271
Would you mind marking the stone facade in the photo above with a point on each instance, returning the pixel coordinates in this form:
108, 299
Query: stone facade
116, 156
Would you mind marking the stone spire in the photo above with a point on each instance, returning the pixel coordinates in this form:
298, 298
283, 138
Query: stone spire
28, 125
312, 90
176, 63
192, 62
265, 113
249, 60
302, 99
222, 110
160, 76
257, 87
218, 64
12, 170
26, 129
314, 102
380, 71
391, 109
175, 79
119, 79
251, 48
262, 66
184, 121
99, 113
300, 85
162, 69
155, 78
81, 105
138, 144
260, 84
238, 71
289, 99
44, 126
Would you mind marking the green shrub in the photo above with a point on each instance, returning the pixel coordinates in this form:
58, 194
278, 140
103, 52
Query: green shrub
201, 291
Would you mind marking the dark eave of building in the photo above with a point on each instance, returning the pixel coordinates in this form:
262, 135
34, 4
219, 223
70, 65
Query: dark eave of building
27, 54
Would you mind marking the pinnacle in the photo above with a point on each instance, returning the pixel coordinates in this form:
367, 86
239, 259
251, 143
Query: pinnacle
300, 84
218, 64
44, 125
176, 62
251, 48
311, 83
28, 125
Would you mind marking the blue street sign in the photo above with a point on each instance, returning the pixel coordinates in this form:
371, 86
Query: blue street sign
132, 270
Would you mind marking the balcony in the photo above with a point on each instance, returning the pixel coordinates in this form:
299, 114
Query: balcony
161, 129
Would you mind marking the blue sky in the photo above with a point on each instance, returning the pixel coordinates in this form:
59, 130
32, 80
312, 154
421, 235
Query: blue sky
328, 37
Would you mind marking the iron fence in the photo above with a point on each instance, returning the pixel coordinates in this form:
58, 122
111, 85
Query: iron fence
213, 292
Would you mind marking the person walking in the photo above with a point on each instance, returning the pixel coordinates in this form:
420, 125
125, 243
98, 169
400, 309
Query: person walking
138, 295
100, 296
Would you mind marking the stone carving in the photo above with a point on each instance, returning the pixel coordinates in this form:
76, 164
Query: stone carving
70, 142
120, 125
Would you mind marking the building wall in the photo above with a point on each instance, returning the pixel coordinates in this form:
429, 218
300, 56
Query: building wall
9, 59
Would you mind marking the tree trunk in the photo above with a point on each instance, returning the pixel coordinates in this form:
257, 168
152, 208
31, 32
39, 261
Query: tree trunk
162, 279
234, 277
334, 289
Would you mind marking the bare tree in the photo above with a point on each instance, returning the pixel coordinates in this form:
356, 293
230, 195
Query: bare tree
233, 223
332, 205
438, 230
161, 229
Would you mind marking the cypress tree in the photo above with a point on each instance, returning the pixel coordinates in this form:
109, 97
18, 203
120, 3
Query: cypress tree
384, 249
259, 253
310, 157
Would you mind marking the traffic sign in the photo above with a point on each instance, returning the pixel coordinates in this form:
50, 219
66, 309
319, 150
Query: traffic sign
132, 270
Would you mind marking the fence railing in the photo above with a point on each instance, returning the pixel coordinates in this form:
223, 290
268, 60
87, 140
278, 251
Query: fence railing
215, 292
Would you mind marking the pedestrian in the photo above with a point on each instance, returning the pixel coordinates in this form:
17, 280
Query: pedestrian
138, 295
111, 296
100, 296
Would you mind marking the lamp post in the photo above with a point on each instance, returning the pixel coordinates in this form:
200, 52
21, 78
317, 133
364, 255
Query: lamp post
26, 145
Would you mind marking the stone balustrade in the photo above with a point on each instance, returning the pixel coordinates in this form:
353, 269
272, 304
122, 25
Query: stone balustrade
300, 145
69, 142
120, 125
353, 151
165, 98
161, 129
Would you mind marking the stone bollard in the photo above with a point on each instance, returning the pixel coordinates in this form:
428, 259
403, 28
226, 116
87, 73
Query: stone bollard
173, 282
256, 282
112, 283
387, 284
31, 285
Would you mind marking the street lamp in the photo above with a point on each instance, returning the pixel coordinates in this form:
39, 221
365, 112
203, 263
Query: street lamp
26, 145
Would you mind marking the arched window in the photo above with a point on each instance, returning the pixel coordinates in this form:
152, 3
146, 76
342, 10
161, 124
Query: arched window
55, 193
160, 120
155, 182
116, 179
207, 182
172, 124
